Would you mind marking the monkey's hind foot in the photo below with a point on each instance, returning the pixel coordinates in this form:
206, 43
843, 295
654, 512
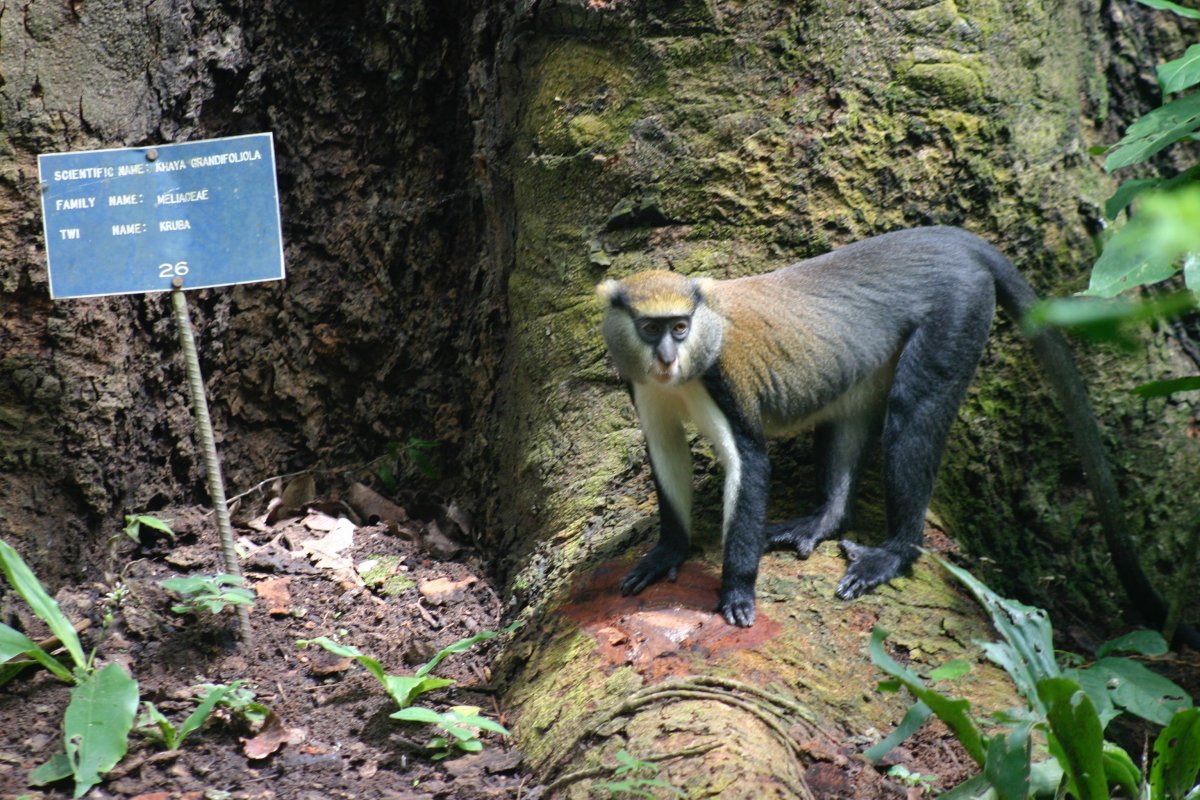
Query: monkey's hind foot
802, 534
658, 562
737, 606
869, 567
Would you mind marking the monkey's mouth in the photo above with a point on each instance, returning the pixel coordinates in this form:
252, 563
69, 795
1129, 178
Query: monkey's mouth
665, 373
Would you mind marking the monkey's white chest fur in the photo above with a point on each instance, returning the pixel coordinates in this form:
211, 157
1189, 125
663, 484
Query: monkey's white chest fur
662, 410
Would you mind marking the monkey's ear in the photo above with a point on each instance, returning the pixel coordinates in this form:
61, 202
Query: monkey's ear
611, 292
703, 286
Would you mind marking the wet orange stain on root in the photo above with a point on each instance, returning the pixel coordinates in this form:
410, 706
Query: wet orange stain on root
661, 631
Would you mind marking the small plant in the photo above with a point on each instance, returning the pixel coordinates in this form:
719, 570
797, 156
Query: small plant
239, 702
135, 522
460, 724
154, 725
636, 779
914, 780
415, 451
211, 593
1069, 706
103, 702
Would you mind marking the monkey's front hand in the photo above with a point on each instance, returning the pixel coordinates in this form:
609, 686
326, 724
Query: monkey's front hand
662, 560
737, 606
869, 567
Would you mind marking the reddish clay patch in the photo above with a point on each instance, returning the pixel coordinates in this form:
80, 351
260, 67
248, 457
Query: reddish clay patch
660, 631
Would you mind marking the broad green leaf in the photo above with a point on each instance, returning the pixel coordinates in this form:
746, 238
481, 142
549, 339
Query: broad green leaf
1140, 691
955, 713
1191, 272
1143, 642
97, 723
976, 788
1007, 766
153, 719
1076, 738
914, 718
1132, 257
1168, 387
1095, 683
1119, 770
1154, 131
13, 643
1167, 5
1126, 193
1177, 75
22, 579
1176, 757
1027, 653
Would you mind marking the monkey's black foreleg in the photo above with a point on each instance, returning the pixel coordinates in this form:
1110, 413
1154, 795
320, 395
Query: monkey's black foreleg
931, 379
666, 556
744, 541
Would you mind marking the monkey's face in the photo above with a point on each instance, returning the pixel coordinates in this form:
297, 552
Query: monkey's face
651, 327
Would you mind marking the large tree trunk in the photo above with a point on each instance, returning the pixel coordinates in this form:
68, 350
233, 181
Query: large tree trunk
446, 167
725, 139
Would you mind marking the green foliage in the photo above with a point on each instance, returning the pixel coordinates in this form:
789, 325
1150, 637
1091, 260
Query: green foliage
460, 724
415, 452
95, 729
134, 523
1167, 5
12, 642
154, 724
1071, 707
211, 593
635, 778
103, 702
239, 701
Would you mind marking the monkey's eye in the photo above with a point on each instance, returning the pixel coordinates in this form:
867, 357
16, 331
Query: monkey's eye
650, 328
680, 329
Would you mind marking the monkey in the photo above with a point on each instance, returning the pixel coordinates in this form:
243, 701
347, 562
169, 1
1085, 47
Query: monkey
876, 339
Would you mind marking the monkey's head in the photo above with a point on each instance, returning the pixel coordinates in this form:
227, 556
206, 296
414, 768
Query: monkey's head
659, 326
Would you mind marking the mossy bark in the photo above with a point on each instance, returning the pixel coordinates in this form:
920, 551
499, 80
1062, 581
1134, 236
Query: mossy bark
723, 139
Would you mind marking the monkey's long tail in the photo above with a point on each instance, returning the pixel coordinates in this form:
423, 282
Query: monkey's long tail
1052, 350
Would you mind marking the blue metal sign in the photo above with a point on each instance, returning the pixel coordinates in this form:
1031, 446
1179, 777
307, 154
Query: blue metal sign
134, 219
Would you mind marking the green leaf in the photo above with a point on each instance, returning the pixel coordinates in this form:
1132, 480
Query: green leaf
1155, 131
1168, 387
22, 579
13, 643
1095, 683
1140, 691
56, 769
950, 670
1143, 642
404, 689
1007, 765
914, 718
1167, 5
97, 723
1176, 757
215, 695
1134, 256
1119, 770
1177, 75
1027, 653
1076, 738
955, 713
1126, 193
457, 647
418, 714
1191, 272
155, 725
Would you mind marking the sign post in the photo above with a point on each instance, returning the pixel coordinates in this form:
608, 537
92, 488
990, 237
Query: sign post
191, 215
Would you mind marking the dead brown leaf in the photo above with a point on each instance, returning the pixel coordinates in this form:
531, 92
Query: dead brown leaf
274, 735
